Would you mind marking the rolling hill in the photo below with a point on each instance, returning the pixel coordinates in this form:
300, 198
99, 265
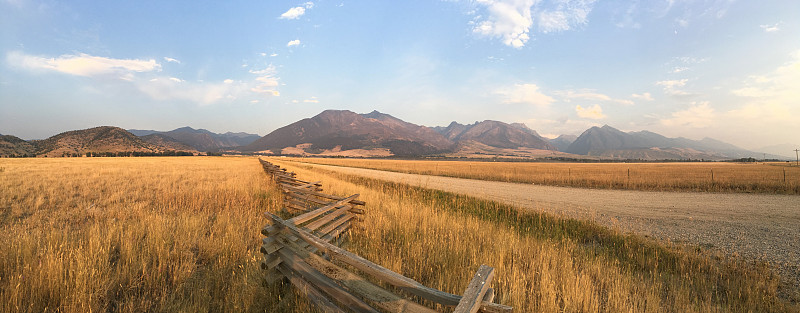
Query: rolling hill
97, 139
14, 146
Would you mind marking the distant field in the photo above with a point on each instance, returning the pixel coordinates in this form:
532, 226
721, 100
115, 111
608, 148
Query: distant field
781, 178
163, 234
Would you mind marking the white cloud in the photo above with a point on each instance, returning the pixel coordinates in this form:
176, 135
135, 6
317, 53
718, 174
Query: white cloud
171, 88
82, 64
672, 87
273, 55
771, 28
511, 20
525, 93
311, 100
594, 112
699, 115
296, 12
645, 96
168, 59
266, 81
293, 13
293, 43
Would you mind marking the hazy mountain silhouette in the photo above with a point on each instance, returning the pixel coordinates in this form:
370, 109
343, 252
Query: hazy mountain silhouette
201, 139
610, 142
562, 142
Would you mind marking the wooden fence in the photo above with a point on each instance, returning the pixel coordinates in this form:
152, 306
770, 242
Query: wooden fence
305, 248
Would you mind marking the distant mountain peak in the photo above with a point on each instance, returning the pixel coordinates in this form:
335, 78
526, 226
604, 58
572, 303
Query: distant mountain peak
610, 142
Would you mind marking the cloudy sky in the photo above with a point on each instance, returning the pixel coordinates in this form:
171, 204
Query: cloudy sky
724, 69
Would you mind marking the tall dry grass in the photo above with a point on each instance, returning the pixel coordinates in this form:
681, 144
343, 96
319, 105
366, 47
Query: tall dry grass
136, 235
543, 263
717, 177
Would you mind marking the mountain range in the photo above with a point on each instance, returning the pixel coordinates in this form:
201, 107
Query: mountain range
201, 139
342, 132
110, 139
345, 133
609, 142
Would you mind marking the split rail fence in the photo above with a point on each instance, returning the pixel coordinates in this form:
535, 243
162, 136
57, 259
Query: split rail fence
305, 249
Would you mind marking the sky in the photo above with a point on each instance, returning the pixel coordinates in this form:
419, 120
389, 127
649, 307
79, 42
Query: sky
724, 69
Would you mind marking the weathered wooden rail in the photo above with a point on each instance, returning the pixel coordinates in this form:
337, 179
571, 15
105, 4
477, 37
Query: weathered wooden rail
303, 249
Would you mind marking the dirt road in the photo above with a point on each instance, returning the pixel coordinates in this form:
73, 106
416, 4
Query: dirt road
755, 226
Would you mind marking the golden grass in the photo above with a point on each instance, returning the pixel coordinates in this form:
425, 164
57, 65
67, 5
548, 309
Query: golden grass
136, 235
182, 234
727, 177
543, 263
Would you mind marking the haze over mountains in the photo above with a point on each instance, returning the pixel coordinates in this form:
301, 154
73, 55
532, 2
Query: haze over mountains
201, 139
345, 133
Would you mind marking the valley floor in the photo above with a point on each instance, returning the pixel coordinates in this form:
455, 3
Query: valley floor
756, 226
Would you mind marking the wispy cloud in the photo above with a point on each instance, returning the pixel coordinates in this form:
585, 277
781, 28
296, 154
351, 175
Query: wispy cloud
512, 20
311, 100
296, 12
589, 95
564, 15
525, 93
775, 91
267, 81
82, 64
168, 59
594, 112
698, 115
771, 28
583, 94
672, 87
293, 43
203, 93
645, 96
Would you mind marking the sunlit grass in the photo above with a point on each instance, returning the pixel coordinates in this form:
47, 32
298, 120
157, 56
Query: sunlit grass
543, 263
182, 234
136, 235
717, 177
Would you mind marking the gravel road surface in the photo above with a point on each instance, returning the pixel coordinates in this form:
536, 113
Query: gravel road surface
755, 226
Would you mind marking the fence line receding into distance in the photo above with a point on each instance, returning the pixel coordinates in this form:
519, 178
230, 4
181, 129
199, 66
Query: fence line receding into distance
305, 249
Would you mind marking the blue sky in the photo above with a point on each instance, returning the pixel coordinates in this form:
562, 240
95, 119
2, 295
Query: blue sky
724, 69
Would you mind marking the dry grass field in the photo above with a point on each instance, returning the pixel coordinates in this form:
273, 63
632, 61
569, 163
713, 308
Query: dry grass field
182, 234
543, 263
780, 178
135, 235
